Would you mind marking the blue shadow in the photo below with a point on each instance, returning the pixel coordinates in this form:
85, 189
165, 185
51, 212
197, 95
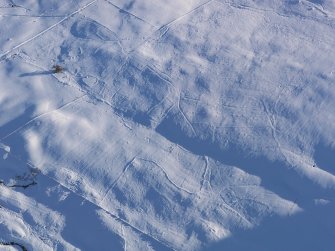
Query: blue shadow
36, 73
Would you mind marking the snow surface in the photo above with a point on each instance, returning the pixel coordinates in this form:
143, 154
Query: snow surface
173, 125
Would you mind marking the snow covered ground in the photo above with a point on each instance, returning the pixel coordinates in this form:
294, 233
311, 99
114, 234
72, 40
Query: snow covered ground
170, 125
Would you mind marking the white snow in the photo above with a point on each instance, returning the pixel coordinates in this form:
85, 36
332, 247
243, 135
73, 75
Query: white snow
173, 125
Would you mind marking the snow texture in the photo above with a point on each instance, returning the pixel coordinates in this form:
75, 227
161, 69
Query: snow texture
167, 125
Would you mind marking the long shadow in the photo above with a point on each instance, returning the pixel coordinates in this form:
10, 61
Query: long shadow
17, 122
81, 218
310, 230
83, 227
325, 157
36, 73
80, 215
276, 176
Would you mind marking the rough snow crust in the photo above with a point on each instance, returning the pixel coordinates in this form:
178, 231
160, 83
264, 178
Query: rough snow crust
174, 125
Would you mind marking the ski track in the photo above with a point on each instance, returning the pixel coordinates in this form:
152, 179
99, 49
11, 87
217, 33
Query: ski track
43, 114
206, 176
165, 27
129, 13
5, 54
118, 178
185, 117
98, 205
235, 212
168, 177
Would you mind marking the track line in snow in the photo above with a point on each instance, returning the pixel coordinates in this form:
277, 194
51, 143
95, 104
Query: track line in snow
118, 178
167, 176
185, 117
140, 232
129, 13
163, 29
4, 55
43, 114
206, 175
124, 222
32, 16
235, 212
186, 14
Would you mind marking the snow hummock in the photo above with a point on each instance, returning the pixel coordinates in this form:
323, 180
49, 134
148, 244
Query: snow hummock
172, 125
